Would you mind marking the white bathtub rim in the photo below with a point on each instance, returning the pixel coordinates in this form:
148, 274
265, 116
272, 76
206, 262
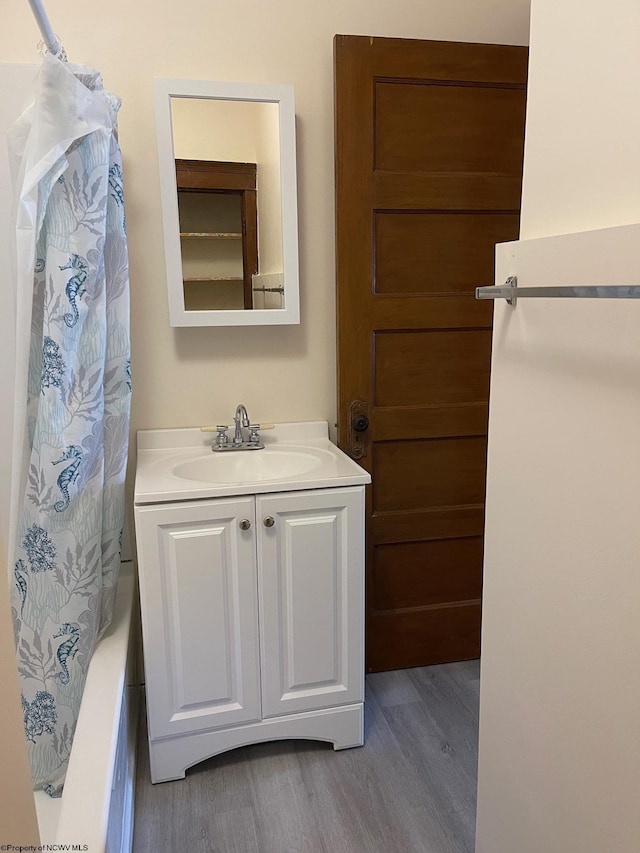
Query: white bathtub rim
81, 815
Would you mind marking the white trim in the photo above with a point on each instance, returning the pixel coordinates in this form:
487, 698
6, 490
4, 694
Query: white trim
281, 94
342, 726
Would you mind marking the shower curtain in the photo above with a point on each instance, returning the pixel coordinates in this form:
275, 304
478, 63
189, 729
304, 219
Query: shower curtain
72, 398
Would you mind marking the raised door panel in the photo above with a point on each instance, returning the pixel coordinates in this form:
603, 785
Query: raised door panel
440, 126
199, 610
311, 582
436, 252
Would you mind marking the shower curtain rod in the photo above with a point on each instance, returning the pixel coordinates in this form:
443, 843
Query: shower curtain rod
511, 292
52, 43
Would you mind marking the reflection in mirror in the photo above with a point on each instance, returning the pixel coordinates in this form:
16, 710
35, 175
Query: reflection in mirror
229, 204
228, 182
218, 234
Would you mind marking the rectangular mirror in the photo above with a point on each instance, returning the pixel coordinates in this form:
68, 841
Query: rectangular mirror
229, 202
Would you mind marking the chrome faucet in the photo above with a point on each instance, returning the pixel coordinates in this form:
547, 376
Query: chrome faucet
241, 419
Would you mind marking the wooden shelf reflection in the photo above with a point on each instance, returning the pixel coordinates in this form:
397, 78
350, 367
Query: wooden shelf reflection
214, 278
211, 235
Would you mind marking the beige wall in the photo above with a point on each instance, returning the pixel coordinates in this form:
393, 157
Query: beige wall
191, 376
214, 130
269, 206
18, 824
582, 169
559, 761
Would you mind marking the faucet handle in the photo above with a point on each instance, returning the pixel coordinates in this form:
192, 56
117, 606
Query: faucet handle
254, 437
222, 438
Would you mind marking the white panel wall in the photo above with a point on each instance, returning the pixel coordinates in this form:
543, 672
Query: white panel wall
559, 764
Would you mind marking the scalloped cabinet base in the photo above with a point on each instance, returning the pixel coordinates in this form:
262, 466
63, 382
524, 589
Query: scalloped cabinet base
253, 622
343, 727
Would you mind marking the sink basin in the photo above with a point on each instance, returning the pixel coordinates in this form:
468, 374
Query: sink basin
245, 466
177, 464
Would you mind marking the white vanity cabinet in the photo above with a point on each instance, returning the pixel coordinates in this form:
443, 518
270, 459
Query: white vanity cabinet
253, 621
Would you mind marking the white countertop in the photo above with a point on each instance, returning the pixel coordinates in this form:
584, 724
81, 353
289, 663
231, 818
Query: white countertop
163, 452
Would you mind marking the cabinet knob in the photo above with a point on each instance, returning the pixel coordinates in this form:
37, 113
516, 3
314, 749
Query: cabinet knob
269, 521
245, 524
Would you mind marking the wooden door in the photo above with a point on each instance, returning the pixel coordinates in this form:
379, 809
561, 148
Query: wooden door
429, 149
198, 597
311, 576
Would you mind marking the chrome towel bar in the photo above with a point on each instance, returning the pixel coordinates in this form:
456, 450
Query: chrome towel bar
511, 292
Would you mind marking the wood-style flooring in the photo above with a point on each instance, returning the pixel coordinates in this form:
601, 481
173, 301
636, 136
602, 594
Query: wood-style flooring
410, 789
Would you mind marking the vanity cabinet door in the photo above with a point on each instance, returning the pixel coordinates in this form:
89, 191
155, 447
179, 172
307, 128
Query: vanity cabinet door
198, 591
311, 587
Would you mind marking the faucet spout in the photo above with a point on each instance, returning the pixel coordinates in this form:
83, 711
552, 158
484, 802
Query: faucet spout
241, 419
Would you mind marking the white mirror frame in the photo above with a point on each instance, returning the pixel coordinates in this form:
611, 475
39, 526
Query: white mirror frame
280, 94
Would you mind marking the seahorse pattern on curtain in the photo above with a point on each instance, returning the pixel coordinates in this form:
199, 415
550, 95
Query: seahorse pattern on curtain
68, 540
